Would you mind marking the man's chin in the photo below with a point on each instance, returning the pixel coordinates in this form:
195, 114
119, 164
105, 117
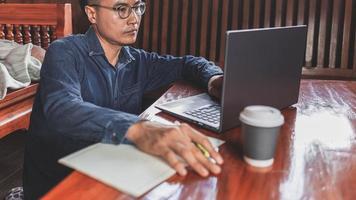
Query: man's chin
128, 42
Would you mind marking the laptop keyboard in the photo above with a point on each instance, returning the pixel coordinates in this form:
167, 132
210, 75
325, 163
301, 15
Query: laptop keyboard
210, 113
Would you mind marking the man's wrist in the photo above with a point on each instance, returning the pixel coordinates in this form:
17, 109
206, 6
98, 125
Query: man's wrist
133, 133
212, 79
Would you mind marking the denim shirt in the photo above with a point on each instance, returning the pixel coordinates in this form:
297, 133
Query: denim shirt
82, 99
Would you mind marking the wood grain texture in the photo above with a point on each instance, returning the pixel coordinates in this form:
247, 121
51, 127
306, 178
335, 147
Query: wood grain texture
290, 12
155, 26
214, 31
202, 25
322, 33
334, 43
329, 73
16, 107
164, 39
301, 12
245, 14
174, 26
205, 23
235, 14
38, 14
345, 52
184, 31
78, 17
15, 117
268, 11
14, 96
314, 156
330, 36
331, 28
224, 27
257, 14
279, 13
146, 26
194, 33
311, 34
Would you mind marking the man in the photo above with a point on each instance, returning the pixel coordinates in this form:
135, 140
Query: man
91, 90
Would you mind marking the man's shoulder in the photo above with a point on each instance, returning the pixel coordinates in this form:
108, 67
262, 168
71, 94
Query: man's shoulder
137, 52
134, 50
69, 42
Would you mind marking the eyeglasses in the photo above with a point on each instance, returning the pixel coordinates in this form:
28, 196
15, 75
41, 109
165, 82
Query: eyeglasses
125, 10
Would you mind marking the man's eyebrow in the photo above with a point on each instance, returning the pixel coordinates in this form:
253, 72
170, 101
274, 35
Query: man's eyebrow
119, 3
139, 1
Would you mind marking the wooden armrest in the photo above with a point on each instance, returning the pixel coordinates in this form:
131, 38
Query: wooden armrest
15, 109
15, 96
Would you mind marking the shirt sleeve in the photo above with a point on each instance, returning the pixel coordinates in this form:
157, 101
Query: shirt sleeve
65, 110
163, 70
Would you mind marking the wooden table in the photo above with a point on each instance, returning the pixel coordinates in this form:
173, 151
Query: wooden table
315, 157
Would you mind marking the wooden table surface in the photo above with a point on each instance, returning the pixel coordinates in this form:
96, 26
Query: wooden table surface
315, 155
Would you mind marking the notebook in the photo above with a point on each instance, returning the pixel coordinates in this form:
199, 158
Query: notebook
123, 167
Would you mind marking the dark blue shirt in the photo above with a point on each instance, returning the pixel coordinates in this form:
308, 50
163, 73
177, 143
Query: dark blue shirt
82, 99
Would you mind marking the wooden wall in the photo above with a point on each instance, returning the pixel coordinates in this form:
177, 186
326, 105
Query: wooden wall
198, 27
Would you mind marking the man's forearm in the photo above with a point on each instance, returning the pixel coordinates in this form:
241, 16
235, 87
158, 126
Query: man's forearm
88, 122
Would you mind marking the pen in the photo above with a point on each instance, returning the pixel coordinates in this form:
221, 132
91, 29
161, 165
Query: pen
202, 149
205, 152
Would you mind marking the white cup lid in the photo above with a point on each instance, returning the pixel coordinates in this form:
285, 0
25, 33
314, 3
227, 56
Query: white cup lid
259, 163
262, 116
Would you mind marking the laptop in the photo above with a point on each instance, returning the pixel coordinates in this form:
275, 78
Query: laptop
262, 67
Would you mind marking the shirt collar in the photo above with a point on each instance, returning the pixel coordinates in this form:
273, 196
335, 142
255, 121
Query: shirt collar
94, 44
95, 47
127, 54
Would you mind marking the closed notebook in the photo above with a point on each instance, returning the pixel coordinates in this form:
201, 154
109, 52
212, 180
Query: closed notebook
123, 167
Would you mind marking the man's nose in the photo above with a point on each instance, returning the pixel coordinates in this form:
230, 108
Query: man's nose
133, 18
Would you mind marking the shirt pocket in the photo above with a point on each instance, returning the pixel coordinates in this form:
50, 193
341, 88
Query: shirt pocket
130, 98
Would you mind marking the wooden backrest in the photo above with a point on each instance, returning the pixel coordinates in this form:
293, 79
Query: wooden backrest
198, 27
24, 23
37, 23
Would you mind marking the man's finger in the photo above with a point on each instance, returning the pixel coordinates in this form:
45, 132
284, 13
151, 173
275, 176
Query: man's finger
173, 161
185, 151
207, 163
204, 141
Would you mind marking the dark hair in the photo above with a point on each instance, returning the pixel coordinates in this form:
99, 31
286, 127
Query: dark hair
83, 3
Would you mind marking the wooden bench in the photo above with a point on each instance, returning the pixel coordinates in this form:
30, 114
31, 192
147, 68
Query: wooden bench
198, 27
24, 23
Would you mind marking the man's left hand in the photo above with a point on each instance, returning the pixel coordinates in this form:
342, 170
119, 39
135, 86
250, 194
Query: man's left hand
215, 86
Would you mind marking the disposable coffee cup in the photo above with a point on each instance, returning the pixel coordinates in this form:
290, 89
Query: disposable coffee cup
260, 131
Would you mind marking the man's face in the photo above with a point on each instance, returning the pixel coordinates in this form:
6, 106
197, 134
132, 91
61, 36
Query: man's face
112, 27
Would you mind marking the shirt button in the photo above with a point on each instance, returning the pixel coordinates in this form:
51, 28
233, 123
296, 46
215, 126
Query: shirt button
114, 138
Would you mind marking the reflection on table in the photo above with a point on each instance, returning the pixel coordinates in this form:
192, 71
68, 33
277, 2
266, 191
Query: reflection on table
315, 155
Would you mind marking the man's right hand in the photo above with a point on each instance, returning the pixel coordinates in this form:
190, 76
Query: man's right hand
172, 142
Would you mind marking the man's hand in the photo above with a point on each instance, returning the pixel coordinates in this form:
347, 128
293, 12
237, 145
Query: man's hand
172, 142
215, 86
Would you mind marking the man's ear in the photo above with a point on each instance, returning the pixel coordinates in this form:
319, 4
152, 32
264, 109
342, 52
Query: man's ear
91, 13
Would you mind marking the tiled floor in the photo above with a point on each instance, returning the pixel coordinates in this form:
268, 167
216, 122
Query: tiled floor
11, 161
